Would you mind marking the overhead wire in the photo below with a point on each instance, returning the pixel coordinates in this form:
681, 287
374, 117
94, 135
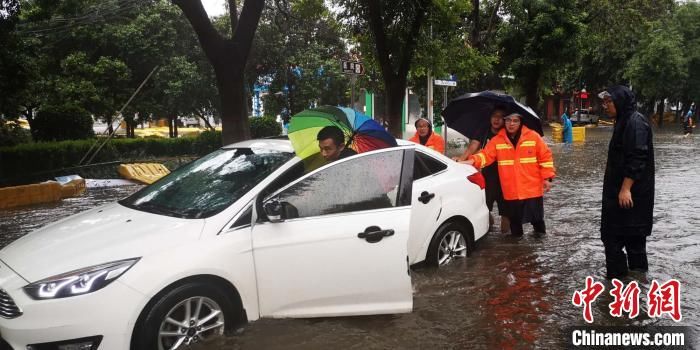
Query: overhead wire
75, 24
93, 16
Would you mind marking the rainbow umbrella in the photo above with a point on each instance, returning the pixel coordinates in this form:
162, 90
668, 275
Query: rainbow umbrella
362, 133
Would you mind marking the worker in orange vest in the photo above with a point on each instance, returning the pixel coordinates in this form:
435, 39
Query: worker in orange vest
525, 168
426, 137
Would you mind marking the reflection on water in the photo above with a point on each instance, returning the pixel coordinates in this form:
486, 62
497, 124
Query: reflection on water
512, 293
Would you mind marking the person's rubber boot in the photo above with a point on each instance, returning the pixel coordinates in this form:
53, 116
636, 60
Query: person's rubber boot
505, 225
538, 234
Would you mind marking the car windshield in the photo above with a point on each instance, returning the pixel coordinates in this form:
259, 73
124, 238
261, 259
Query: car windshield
208, 185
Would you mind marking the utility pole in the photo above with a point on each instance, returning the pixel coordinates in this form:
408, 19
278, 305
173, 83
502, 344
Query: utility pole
429, 99
446, 85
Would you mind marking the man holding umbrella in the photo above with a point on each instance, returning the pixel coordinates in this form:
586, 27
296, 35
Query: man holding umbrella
493, 184
525, 168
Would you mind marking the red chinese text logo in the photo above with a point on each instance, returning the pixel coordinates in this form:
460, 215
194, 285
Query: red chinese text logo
626, 299
661, 299
665, 299
586, 296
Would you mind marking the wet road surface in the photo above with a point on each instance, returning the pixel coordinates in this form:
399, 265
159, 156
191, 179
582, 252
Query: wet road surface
511, 293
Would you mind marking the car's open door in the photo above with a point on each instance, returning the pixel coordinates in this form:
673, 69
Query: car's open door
334, 242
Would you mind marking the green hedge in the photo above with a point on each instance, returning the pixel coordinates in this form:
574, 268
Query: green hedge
264, 127
64, 122
32, 158
12, 134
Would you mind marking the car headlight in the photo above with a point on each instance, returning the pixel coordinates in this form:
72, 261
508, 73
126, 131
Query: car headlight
83, 281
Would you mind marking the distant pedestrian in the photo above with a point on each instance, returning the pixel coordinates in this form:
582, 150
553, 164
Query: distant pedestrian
426, 137
493, 190
567, 128
628, 186
525, 168
688, 122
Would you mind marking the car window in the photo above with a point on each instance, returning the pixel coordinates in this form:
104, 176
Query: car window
363, 183
291, 174
245, 219
425, 165
208, 185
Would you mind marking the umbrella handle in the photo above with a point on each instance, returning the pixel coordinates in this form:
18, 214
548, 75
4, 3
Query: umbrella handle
350, 139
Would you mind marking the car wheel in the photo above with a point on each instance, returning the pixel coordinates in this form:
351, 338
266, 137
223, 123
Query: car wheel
451, 242
183, 316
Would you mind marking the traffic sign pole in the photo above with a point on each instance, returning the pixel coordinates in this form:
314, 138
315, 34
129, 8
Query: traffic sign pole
354, 68
446, 85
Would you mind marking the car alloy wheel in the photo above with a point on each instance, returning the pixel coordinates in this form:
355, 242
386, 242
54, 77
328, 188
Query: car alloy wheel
451, 241
189, 322
452, 246
185, 314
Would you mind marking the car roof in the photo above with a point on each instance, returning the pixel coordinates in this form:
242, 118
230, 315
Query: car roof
283, 144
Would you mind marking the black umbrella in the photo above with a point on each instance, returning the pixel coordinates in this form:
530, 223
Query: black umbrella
470, 113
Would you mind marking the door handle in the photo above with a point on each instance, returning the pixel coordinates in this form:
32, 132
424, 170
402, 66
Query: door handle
374, 234
425, 197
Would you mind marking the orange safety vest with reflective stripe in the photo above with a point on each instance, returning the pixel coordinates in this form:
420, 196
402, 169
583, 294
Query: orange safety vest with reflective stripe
435, 142
522, 168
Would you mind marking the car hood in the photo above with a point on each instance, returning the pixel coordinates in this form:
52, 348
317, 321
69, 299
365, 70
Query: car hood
97, 236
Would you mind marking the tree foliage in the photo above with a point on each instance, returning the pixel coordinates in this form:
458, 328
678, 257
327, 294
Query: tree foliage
537, 41
62, 122
658, 66
93, 54
296, 57
392, 29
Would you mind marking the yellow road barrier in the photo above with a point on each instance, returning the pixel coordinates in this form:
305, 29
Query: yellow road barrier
45, 192
147, 173
578, 133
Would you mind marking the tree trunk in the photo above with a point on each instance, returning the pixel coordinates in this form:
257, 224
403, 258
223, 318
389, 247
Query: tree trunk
171, 133
394, 79
476, 27
228, 57
206, 120
109, 121
235, 125
29, 114
660, 111
393, 106
531, 92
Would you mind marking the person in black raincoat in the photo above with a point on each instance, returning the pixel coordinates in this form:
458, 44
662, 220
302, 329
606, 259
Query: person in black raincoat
628, 186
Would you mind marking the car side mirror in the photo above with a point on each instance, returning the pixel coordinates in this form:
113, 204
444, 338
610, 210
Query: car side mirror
273, 210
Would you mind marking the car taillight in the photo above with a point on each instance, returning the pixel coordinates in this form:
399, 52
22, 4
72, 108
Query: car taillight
477, 179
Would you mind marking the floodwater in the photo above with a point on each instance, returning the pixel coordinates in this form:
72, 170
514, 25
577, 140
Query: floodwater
511, 293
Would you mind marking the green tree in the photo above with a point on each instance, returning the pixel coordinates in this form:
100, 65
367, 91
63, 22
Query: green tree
687, 20
228, 57
610, 34
307, 63
62, 122
161, 36
388, 33
537, 40
100, 87
658, 68
445, 47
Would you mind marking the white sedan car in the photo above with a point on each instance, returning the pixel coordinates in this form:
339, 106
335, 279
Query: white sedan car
242, 233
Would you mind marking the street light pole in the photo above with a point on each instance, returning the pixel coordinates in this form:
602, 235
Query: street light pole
444, 125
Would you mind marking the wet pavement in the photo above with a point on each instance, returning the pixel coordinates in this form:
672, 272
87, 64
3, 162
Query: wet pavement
511, 293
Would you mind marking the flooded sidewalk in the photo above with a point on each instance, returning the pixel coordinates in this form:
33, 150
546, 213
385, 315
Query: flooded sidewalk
512, 293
